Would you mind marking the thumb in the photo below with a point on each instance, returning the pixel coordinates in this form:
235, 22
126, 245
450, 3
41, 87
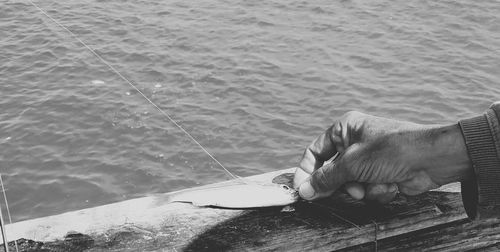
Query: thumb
323, 182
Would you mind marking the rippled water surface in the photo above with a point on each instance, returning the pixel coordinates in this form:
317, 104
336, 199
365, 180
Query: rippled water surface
253, 81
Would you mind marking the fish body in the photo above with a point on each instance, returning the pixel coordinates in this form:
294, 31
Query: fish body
251, 195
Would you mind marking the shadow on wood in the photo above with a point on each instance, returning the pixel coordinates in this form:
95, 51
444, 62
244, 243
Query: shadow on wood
326, 225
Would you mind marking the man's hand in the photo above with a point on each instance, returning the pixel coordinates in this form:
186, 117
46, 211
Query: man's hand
377, 157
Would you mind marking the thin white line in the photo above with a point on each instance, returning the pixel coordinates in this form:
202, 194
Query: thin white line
137, 89
336, 214
8, 211
4, 233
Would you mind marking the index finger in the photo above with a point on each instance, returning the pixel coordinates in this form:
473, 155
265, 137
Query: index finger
320, 150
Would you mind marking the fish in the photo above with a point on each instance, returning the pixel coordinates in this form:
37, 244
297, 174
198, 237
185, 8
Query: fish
239, 196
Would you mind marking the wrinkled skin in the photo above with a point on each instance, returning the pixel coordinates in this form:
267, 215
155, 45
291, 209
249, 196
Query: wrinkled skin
379, 157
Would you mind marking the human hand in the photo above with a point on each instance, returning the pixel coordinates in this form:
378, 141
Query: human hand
377, 157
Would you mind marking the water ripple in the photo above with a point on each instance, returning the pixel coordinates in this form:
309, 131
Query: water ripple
253, 82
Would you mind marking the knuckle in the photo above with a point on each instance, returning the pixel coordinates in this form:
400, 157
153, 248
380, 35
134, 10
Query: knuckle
351, 114
331, 131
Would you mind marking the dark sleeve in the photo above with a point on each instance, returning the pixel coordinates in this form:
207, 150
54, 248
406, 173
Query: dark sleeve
481, 194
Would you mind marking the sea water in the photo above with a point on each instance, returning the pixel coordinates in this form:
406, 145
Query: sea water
253, 81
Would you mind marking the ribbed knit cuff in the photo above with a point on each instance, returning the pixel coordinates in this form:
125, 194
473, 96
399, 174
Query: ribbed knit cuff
482, 194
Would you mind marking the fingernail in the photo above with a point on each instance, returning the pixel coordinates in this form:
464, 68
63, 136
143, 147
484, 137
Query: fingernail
306, 191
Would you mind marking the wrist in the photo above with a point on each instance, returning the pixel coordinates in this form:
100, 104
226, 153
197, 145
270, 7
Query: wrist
447, 157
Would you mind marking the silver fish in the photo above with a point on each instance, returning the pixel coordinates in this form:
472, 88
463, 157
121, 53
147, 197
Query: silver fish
251, 195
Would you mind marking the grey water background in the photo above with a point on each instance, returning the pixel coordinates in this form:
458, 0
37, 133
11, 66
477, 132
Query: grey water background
253, 81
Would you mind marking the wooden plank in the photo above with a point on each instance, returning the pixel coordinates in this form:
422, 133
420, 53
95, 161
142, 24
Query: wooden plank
462, 235
145, 211
150, 223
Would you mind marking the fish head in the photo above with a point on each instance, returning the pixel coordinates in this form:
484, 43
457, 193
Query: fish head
290, 193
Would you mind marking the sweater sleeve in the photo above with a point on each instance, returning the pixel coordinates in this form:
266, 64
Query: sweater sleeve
481, 194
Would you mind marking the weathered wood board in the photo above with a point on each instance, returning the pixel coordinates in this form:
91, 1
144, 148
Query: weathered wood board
456, 236
149, 223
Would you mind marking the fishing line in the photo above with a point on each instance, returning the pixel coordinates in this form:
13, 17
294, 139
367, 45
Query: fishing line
335, 214
376, 238
4, 235
137, 89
